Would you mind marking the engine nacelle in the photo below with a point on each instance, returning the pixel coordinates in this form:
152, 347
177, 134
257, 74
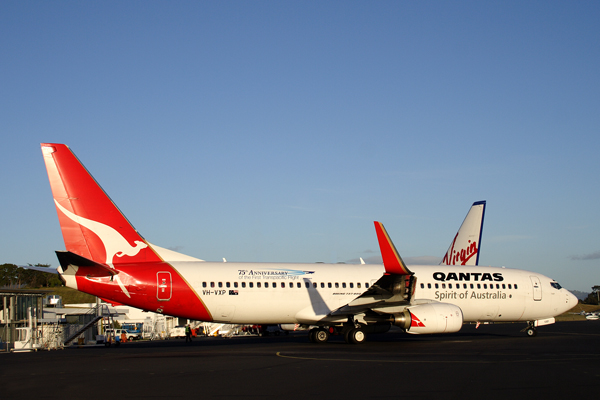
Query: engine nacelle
435, 318
294, 327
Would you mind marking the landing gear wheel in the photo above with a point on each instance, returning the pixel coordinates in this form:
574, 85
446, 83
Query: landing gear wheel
311, 335
355, 336
531, 331
321, 336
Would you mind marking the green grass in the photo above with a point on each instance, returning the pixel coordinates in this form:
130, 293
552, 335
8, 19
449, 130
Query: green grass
572, 314
72, 296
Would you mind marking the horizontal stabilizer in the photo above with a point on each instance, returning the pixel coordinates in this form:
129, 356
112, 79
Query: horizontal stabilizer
85, 266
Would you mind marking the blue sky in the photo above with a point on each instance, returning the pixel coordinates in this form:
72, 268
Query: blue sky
279, 131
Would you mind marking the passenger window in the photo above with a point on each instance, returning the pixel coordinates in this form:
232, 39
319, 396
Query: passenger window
337, 285
351, 285
516, 286
307, 284
291, 285
479, 286
509, 286
429, 286
344, 285
472, 286
203, 284
212, 284
298, 285
251, 284
322, 285
464, 285
243, 284
220, 284
228, 284
422, 286
329, 285
257, 284
449, 286
358, 285
497, 286
437, 286
503, 286
367, 285
315, 285
443, 286
235, 284
274, 285
283, 285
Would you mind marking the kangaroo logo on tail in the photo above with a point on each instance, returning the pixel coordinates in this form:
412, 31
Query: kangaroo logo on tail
114, 243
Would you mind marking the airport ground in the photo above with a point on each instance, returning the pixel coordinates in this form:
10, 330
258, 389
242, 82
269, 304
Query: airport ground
494, 361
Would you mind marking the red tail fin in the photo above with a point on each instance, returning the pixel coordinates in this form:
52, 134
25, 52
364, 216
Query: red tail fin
92, 225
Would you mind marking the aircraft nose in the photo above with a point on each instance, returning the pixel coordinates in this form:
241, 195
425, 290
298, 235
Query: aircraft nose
571, 300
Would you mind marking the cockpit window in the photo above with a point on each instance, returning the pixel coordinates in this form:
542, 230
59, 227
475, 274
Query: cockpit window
555, 285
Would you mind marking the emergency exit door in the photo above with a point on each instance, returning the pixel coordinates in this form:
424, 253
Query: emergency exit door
163, 286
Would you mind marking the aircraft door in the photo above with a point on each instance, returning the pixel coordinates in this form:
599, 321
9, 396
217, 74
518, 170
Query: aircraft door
537, 288
164, 287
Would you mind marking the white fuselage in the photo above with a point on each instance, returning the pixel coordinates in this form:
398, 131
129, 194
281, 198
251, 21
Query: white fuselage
307, 293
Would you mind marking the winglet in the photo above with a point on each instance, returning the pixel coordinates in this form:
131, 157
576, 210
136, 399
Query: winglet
392, 261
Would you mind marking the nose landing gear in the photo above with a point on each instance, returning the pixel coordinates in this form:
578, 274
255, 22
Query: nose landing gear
530, 330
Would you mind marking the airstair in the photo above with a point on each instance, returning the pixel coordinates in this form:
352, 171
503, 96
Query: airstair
102, 312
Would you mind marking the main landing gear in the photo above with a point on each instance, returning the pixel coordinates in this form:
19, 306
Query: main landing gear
352, 334
319, 335
355, 335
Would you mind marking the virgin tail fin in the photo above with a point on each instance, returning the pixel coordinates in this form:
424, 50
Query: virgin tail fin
464, 249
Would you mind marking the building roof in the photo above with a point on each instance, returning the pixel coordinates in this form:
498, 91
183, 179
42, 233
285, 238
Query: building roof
24, 292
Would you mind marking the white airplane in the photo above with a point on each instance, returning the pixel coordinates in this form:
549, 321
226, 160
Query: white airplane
106, 257
590, 316
593, 316
464, 249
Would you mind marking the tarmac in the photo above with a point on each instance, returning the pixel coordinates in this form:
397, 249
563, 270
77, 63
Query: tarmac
491, 362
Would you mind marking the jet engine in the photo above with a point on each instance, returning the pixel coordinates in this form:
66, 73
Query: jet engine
435, 318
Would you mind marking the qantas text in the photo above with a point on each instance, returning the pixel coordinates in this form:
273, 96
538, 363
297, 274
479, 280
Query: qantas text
468, 276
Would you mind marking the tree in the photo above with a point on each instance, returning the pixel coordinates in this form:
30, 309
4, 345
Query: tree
596, 289
12, 276
8, 275
38, 279
592, 298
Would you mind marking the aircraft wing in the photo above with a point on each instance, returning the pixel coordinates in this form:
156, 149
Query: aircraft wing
393, 290
41, 269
